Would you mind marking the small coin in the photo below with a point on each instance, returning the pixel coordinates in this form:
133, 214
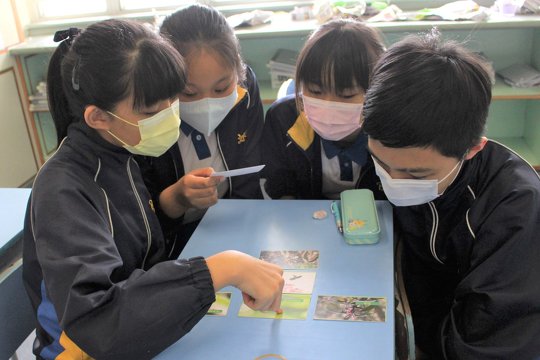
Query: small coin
320, 214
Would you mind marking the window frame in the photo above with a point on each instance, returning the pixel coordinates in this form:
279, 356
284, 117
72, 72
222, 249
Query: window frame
228, 7
114, 8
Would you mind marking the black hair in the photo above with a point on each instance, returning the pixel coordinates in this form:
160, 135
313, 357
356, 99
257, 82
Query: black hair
202, 27
339, 55
429, 93
106, 63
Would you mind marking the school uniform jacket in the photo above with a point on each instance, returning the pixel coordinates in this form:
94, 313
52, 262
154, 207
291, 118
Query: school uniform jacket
472, 261
95, 264
292, 153
238, 138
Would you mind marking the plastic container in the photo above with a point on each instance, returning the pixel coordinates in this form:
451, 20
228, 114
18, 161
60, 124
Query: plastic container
359, 217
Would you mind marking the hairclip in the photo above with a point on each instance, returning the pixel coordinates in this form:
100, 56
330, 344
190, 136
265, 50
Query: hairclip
68, 35
75, 76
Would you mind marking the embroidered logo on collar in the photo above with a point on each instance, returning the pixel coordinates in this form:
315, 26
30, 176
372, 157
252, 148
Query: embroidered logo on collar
242, 137
151, 203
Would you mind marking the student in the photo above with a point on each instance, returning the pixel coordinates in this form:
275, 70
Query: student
96, 265
467, 209
222, 121
316, 150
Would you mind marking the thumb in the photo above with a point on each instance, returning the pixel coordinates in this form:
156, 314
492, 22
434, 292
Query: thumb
202, 172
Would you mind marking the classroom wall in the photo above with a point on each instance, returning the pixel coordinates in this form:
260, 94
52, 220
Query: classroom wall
17, 158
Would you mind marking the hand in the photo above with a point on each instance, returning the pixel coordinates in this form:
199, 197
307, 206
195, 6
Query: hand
198, 189
261, 282
195, 189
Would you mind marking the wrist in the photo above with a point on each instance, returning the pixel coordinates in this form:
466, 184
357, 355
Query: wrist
171, 204
225, 268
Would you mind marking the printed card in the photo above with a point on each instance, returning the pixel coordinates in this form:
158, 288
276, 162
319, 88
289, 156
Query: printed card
220, 307
298, 282
294, 306
292, 259
351, 308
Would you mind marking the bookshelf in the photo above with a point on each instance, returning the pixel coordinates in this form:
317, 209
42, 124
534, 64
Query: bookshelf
514, 118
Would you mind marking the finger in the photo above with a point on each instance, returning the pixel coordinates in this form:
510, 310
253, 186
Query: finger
249, 301
208, 192
276, 304
202, 172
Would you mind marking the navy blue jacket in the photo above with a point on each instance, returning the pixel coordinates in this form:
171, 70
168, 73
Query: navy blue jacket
95, 263
472, 261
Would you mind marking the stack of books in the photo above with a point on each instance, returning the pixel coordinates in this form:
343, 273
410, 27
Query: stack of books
282, 67
38, 101
520, 76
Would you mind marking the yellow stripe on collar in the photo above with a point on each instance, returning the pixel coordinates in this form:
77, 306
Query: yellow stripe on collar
241, 94
301, 132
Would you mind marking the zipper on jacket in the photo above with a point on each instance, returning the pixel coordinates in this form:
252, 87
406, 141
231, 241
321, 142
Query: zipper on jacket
309, 162
145, 219
434, 229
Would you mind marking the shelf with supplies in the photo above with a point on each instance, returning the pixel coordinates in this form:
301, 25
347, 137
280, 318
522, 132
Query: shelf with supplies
514, 118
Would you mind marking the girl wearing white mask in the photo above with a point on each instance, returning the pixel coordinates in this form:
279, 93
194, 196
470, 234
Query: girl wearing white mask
96, 266
314, 146
222, 121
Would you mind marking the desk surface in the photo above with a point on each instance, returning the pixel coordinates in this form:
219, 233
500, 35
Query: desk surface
12, 210
353, 270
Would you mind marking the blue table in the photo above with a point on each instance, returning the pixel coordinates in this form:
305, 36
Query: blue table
12, 210
254, 225
16, 314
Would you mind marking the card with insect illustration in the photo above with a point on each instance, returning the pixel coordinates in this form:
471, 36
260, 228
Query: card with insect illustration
220, 307
351, 308
298, 282
294, 306
292, 259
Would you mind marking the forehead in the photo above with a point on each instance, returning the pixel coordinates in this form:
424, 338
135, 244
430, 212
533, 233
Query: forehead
207, 67
415, 158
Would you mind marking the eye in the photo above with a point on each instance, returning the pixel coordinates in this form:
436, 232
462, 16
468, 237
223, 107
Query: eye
187, 92
349, 94
313, 91
223, 89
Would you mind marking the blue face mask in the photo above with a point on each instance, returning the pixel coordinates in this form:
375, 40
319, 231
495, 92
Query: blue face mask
409, 192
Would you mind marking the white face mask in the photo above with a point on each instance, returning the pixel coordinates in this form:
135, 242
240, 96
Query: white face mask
332, 120
409, 192
158, 132
206, 114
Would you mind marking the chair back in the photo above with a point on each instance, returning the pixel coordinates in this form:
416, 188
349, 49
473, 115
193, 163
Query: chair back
17, 318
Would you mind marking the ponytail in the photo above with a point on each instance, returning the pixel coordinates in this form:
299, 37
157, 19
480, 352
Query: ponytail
56, 94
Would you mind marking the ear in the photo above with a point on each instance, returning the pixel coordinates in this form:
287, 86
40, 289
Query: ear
97, 118
476, 148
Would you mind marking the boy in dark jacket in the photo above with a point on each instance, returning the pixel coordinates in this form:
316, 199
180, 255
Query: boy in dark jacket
466, 208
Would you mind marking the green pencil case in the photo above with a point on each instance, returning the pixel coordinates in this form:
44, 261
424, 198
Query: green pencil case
359, 217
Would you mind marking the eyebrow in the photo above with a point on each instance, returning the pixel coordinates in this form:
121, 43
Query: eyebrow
418, 170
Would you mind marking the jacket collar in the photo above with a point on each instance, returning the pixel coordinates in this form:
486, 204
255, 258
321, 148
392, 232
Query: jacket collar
355, 152
301, 132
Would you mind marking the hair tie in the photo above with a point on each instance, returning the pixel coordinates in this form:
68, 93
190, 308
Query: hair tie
67, 35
